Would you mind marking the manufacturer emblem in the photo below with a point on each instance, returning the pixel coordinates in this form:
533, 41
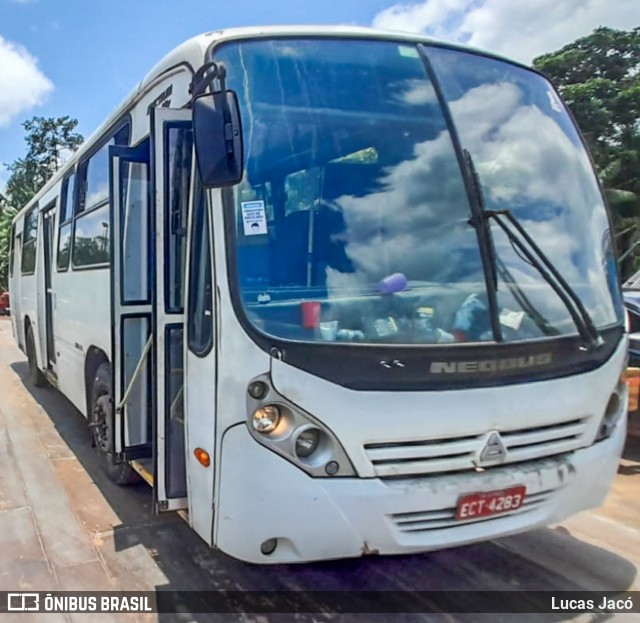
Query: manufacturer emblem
396, 363
494, 450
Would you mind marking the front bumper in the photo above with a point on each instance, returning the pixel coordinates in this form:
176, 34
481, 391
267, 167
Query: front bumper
263, 496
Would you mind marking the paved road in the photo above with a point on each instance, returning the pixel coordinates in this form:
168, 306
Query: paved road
64, 526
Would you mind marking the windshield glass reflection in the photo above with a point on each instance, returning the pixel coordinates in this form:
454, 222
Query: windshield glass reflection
352, 221
530, 160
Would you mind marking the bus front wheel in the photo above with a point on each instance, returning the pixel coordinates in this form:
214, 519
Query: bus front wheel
35, 375
119, 471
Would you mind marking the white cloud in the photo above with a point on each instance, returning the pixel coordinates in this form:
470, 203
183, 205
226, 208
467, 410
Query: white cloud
519, 30
22, 84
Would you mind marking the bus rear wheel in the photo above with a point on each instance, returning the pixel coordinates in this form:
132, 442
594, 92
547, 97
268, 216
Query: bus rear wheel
35, 375
119, 471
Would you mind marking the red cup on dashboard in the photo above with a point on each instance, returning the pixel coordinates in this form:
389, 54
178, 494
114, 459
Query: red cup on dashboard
310, 314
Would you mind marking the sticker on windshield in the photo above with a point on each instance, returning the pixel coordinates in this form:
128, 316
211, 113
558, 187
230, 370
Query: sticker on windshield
409, 51
254, 218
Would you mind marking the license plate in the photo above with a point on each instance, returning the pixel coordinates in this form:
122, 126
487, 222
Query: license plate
490, 502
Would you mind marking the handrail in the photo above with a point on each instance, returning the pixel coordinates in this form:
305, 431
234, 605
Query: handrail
136, 372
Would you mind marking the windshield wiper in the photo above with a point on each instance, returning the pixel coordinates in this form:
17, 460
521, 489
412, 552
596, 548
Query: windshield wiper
487, 250
580, 316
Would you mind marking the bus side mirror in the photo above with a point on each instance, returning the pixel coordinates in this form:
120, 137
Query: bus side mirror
218, 139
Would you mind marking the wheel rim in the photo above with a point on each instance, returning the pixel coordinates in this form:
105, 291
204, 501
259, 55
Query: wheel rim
101, 422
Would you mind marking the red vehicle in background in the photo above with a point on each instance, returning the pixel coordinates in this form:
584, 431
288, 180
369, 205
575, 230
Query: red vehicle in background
4, 303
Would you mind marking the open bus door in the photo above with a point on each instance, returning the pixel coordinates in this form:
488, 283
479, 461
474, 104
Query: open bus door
148, 315
172, 144
132, 347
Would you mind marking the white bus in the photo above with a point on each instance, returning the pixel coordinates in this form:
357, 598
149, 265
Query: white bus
334, 292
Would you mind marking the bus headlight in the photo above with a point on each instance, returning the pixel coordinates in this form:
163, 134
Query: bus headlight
286, 429
307, 442
265, 419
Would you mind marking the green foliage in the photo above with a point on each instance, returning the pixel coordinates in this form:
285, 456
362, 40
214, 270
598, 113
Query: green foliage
599, 78
6, 215
49, 141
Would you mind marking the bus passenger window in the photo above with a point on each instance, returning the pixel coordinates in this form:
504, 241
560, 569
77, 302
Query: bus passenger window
96, 180
91, 238
200, 322
29, 236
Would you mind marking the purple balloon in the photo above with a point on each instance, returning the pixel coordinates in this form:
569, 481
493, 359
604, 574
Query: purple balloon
393, 283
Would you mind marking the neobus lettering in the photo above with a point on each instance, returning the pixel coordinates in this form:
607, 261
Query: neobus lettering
490, 365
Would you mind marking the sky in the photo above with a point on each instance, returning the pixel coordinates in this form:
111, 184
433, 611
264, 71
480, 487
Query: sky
82, 57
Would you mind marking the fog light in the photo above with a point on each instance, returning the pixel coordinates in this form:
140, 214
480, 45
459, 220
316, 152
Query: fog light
269, 546
257, 390
332, 468
307, 442
265, 419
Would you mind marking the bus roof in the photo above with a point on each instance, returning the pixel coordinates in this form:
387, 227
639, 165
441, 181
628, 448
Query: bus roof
192, 52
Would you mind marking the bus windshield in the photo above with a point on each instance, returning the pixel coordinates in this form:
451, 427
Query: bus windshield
354, 222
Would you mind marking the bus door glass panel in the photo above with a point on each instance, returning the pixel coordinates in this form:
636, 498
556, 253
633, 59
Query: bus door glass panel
179, 141
174, 139
135, 333
175, 468
135, 232
48, 236
132, 301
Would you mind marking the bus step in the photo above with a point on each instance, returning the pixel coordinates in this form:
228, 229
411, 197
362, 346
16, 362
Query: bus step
144, 467
51, 377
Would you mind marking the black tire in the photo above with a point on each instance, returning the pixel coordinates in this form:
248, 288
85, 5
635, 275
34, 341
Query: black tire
101, 420
35, 375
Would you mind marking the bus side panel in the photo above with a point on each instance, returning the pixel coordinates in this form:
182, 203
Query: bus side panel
29, 310
82, 319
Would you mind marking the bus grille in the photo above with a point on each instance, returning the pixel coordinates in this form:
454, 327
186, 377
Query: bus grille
454, 454
423, 521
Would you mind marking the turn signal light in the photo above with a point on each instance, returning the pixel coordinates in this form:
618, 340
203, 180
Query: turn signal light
202, 456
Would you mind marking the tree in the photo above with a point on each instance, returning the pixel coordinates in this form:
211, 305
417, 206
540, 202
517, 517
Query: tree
599, 78
50, 140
